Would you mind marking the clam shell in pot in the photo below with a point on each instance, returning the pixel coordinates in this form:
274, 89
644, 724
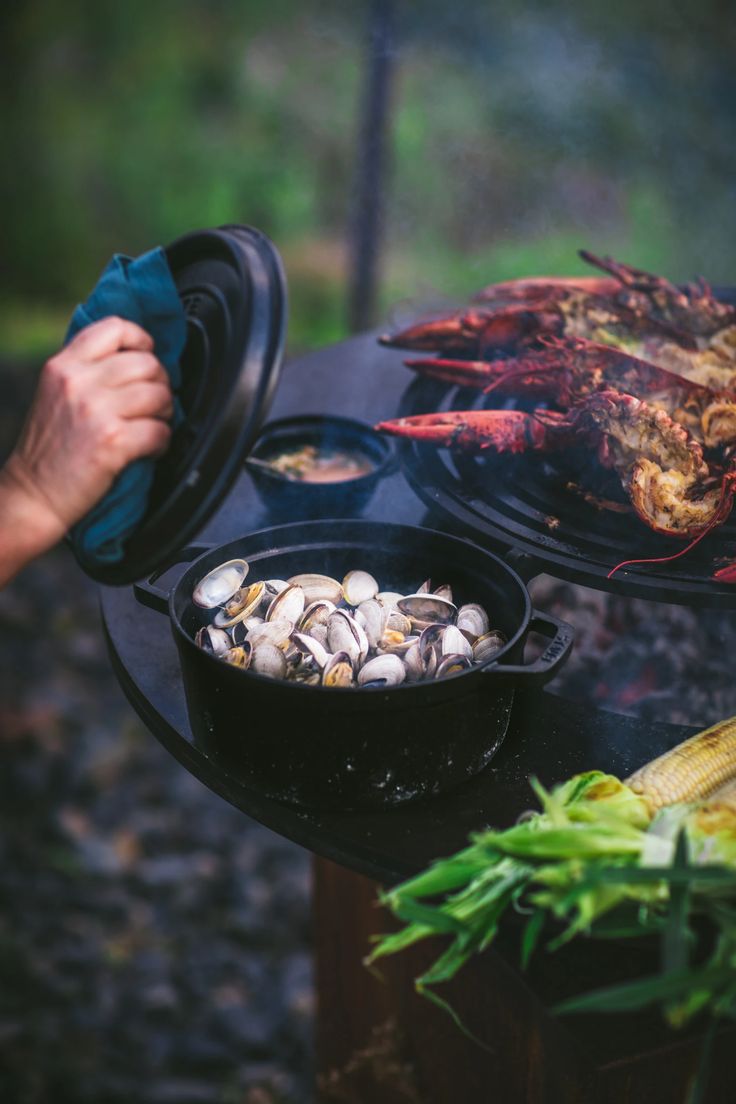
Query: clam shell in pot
319, 633
389, 598
309, 646
338, 671
344, 634
452, 665
318, 588
219, 585
213, 640
399, 622
269, 661
239, 657
358, 586
427, 607
270, 632
454, 643
316, 613
390, 643
288, 605
241, 607
386, 670
372, 616
414, 663
473, 619
488, 645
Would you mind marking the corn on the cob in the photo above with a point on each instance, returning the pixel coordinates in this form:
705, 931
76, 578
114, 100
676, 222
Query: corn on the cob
724, 797
691, 771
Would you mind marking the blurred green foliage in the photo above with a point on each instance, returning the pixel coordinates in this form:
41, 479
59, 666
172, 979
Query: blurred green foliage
520, 131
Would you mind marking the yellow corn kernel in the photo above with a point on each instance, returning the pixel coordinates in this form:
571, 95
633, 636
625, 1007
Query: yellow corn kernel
692, 770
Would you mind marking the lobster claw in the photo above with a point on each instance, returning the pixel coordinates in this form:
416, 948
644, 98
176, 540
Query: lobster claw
477, 430
461, 373
480, 332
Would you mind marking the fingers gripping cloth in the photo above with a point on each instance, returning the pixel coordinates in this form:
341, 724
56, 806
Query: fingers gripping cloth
141, 290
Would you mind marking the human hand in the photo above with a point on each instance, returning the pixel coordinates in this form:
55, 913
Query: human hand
101, 402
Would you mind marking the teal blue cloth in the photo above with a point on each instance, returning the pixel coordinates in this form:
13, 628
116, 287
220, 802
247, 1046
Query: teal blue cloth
143, 291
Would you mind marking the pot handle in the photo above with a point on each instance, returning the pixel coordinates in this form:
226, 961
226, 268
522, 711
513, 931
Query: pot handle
552, 658
154, 597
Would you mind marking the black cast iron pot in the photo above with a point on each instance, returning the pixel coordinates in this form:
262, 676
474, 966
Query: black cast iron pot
351, 748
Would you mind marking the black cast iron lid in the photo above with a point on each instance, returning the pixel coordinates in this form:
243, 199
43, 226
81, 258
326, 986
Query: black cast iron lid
232, 285
536, 505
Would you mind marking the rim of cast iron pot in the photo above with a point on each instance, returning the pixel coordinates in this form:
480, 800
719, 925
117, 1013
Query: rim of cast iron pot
311, 423
360, 694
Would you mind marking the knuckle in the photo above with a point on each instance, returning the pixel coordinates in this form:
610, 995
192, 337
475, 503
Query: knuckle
59, 371
55, 366
111, 441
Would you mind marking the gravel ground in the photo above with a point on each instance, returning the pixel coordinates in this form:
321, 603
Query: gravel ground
154, 942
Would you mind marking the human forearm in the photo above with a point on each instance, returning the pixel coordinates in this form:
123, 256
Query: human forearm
28, 527
101, 403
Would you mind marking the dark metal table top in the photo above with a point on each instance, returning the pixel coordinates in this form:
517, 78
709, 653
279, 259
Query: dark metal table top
548, 736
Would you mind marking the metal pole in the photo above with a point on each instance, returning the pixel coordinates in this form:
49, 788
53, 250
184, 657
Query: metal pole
370, 167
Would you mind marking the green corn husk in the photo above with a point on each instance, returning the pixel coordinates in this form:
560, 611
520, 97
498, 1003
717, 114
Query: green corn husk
594, 862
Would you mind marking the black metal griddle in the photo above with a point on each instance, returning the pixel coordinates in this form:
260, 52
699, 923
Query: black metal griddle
548, 736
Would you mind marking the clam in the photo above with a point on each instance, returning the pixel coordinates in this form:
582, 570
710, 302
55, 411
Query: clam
414, 663
473, 619
444, 591
319, 633
242, 604
426, 587
391, 640
276, 633
488, 645
287, 606
455, 643
318, 588
219, 585
396, 646
398, 622
344, 634
268, 660
316, 613
272, 587
212, 640
311, 647
384, 670
427, 608
239, 657
372, 616
359, 586
453, 665
338, 671
389, 598
430, 639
